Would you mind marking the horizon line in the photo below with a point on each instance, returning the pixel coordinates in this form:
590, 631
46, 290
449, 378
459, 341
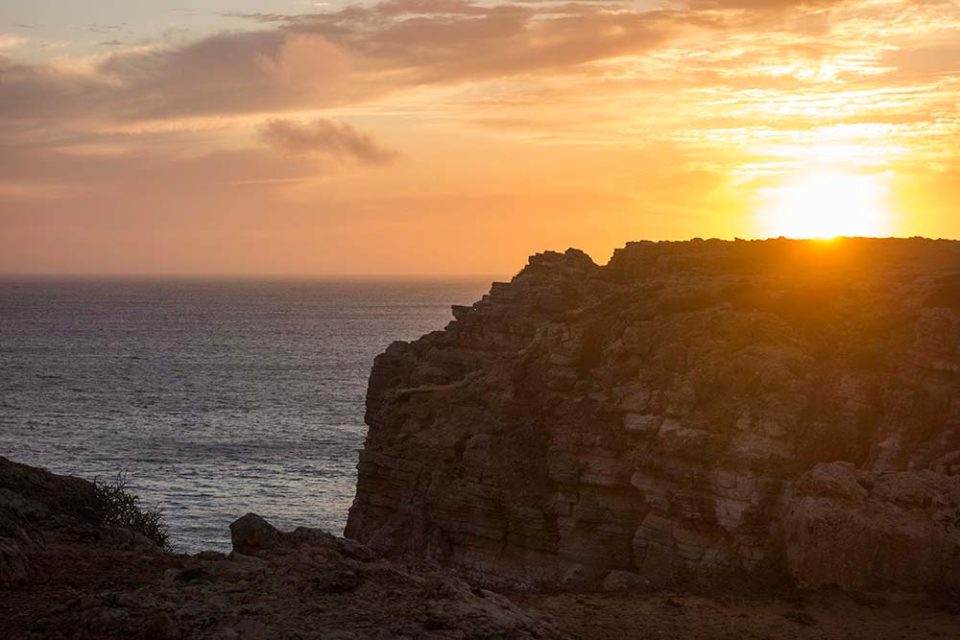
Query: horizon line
376, 276
60, 275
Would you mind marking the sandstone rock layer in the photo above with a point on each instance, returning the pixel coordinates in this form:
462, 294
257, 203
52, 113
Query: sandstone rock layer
781, 407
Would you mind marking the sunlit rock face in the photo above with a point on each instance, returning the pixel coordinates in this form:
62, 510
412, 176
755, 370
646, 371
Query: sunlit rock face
782, 408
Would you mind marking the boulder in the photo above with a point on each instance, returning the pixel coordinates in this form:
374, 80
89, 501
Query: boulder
617, 581
251, 534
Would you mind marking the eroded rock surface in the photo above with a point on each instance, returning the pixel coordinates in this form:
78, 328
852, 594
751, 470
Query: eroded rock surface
317, 587
780, 407
72, 577
38, 507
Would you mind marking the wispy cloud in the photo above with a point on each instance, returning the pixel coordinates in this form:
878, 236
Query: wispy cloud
11, 41
325, 137
304, 60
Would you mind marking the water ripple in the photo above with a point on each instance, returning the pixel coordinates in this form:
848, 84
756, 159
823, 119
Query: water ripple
216, 398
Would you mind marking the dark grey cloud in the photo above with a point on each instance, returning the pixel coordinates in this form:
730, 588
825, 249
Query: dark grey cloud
325, 137
106, 28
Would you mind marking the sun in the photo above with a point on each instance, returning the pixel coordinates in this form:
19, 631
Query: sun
826, 204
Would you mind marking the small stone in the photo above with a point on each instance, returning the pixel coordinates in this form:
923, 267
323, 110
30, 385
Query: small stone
799, 616
642, 423
574, 578
159, 627
624, 581
251, 534
190, 575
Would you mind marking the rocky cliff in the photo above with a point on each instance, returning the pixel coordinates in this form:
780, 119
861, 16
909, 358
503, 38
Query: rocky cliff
784, 408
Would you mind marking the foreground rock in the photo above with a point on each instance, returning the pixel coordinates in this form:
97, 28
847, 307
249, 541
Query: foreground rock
307, 584
38, 508
706, 410
80, 582
321, 588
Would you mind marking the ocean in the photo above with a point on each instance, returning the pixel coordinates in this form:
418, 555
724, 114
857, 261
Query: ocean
215, 398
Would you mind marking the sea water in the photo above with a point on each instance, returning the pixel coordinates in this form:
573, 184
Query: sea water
215, 398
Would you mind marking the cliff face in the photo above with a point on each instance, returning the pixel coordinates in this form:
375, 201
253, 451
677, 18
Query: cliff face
781, 406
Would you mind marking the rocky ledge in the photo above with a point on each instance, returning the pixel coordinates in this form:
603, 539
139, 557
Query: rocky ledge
784, 410
68, 574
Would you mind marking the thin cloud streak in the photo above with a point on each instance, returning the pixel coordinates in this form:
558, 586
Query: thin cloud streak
326, 137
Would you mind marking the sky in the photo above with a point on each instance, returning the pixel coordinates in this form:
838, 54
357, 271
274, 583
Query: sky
457, 137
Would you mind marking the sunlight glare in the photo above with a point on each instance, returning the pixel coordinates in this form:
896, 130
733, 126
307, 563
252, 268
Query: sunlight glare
827, 204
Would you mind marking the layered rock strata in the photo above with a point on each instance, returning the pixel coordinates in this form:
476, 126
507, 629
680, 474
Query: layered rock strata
706, 407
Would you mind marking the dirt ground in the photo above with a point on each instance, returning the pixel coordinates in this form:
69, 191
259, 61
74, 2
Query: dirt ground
66, 580
672, 617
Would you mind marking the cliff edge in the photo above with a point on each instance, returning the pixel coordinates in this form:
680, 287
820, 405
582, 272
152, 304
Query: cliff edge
781, 408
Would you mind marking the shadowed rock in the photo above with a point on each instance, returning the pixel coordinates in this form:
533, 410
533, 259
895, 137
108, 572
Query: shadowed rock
37, 507
65, 575
251, 534
779, 408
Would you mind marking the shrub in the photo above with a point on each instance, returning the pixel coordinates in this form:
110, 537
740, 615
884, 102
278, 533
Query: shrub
114, 504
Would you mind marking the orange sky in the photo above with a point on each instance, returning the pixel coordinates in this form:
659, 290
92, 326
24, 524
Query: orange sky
452, 137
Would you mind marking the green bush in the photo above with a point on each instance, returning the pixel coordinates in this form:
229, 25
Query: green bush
114, 504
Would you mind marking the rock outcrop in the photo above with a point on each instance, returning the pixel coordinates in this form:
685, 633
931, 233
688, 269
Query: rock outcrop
69, 575
783, 408
38, 507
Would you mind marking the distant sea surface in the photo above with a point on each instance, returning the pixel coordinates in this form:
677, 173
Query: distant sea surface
215, 397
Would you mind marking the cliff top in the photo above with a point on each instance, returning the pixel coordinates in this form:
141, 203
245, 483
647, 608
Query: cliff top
779, 256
